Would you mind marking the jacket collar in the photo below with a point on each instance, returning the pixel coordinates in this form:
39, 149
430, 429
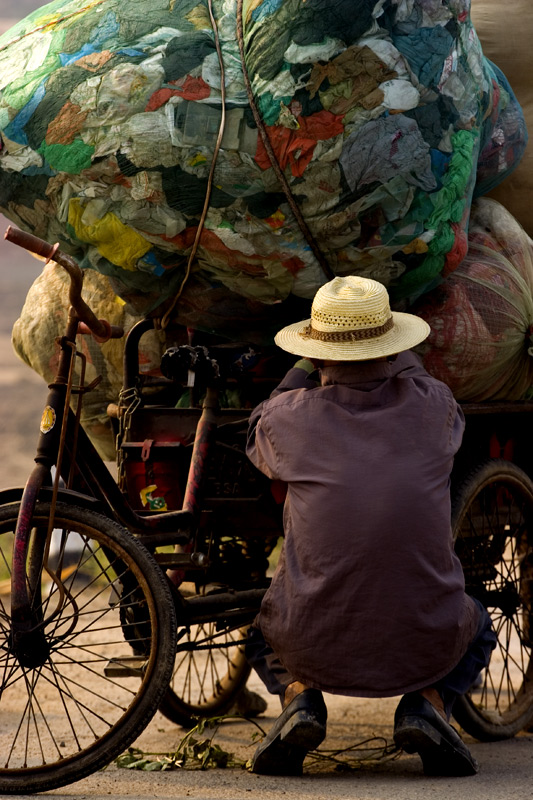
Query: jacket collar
360, 372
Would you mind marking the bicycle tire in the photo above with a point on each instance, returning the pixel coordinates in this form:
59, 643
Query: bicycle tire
208, 678
71, 714
492, 517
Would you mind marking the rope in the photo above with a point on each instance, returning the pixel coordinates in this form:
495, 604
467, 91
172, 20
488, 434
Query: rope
166, 318
317, 252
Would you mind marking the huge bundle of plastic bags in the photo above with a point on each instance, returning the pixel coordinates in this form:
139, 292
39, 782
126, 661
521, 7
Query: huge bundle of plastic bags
369, 126
481, 318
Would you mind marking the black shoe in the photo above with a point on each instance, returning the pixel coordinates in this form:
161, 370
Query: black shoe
300, 727
419, 728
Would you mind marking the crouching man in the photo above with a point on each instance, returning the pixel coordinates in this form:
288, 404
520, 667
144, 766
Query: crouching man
368, 598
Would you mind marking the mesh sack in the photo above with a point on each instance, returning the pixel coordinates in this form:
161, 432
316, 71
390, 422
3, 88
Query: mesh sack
375, 113
503, 138
481, 316
43, 319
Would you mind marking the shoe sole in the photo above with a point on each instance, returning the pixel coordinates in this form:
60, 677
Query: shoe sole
439, 756
285, 754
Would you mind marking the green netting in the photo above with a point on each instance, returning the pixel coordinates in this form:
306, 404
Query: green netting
481, 316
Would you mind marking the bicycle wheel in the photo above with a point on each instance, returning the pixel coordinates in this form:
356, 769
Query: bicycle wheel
493, 528
80, 703
210, 670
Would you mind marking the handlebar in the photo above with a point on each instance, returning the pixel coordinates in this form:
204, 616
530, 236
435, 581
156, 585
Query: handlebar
99, 328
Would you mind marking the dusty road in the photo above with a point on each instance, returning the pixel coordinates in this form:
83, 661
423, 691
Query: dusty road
505, 773
22, 392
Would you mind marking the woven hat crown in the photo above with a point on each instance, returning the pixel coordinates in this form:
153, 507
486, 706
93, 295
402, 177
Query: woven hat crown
351, 320
350, 303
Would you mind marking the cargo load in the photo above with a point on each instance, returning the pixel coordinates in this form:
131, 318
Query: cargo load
481, 318
42, 323
229, 157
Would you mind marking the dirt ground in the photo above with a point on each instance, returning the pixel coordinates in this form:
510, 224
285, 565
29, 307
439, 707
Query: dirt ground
505, 767
22, 393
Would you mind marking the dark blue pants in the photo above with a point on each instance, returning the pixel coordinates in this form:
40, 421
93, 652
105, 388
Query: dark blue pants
276, 678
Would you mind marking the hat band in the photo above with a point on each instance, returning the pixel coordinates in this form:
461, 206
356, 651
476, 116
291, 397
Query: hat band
347, 336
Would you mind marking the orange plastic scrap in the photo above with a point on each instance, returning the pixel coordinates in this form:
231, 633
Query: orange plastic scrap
296, 147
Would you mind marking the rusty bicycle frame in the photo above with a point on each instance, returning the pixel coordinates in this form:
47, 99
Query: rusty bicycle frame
63, 439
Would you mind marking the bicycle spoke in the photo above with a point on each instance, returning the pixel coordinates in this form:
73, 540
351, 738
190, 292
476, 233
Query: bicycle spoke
110, 682
63, 710
101, 613
68, 685
61, 646
494, 540
19, 727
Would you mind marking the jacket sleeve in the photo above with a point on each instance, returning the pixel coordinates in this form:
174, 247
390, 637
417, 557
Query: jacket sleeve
449, 421
260, 446
457, 427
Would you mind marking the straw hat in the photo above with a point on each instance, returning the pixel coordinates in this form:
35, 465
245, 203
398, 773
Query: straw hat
351, 320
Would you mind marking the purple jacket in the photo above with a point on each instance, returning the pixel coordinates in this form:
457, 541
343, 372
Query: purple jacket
368, 597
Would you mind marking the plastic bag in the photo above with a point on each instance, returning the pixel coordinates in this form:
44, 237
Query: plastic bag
505, 33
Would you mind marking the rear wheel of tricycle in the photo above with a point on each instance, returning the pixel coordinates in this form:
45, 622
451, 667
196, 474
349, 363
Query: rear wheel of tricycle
76, 701
492, 515
210, 671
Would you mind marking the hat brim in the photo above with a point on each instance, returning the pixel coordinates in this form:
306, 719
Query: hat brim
407, 331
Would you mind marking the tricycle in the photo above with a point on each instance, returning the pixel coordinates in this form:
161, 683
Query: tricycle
126, 594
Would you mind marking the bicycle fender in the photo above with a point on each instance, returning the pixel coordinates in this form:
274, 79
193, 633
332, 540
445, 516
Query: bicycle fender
14, 495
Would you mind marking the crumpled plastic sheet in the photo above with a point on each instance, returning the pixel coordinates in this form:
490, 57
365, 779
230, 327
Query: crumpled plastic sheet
383, 116
481, 316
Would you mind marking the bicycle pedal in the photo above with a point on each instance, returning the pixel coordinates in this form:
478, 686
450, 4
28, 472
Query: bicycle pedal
127, 667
